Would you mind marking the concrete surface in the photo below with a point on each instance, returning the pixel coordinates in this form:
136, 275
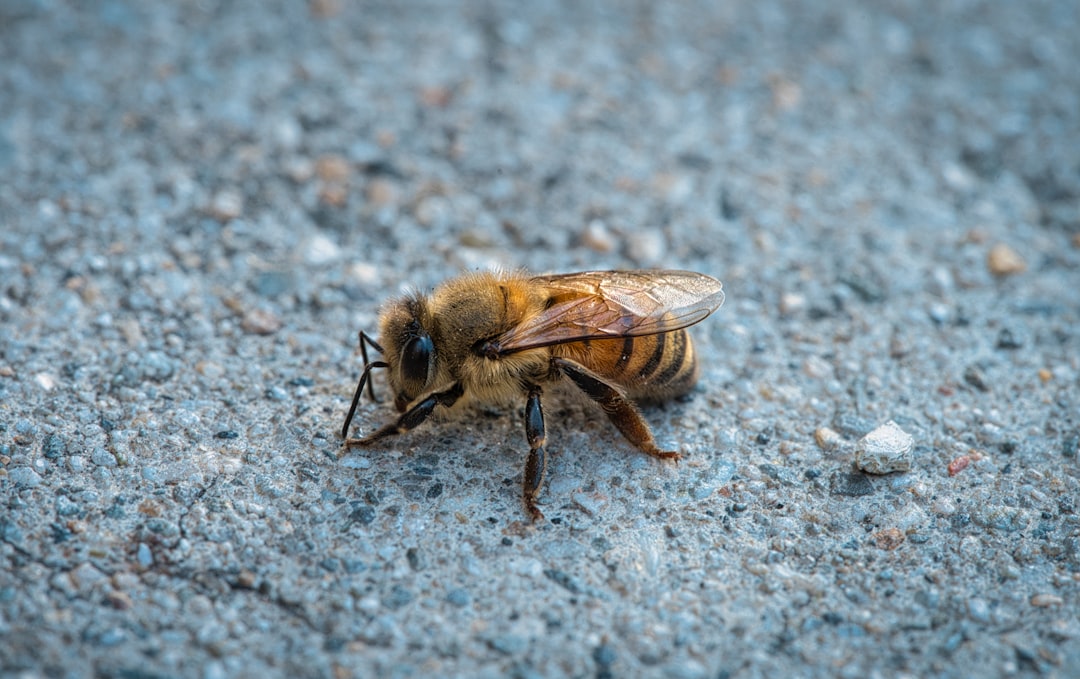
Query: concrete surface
201, 203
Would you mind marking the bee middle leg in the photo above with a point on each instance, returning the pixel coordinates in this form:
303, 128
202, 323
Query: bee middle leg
536, 465
411, 418
619, 409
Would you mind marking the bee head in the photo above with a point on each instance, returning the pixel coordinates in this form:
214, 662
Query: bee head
409, 350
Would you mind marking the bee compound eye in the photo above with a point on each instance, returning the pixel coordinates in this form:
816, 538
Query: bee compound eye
416, 362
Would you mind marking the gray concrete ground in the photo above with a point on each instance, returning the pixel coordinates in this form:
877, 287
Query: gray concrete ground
201, 203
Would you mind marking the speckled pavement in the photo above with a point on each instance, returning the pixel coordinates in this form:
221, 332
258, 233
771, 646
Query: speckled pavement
202, 203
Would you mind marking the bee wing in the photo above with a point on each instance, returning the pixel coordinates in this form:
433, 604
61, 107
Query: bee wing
609, 304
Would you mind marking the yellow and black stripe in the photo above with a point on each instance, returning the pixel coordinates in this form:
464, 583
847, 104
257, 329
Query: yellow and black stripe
648, 367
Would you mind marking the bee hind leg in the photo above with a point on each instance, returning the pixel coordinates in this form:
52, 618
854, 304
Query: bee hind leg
619, 409
536, 465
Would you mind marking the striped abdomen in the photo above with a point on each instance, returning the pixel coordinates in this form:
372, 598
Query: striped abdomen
650, 367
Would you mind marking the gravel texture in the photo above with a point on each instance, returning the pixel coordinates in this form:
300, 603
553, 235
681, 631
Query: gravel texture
201, 203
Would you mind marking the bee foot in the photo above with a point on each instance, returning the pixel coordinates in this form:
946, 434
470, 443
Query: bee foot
534, 511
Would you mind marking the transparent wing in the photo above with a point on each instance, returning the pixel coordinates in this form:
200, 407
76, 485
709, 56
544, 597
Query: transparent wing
609, 304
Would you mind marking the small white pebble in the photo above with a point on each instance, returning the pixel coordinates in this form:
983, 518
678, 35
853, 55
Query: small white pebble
817, 368
300, 170
1046, 600
288, 133
884, 450
363, 273
944, 506
597, 237
646, 247
227, 205
791, 303
320, 250
261, 322
827, 439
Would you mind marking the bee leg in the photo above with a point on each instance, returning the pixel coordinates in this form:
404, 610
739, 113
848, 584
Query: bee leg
411, 418
364, 378
619, 409
537, 462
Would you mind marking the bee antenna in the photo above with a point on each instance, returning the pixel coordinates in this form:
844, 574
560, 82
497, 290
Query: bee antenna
365, 340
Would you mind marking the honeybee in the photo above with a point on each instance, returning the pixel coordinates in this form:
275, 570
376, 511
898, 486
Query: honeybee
490, 337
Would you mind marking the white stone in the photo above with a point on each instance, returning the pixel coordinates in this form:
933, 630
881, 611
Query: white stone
884, 450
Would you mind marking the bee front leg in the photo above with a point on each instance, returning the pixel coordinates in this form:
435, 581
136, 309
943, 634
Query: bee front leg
411, 418
536, 465
619, 409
